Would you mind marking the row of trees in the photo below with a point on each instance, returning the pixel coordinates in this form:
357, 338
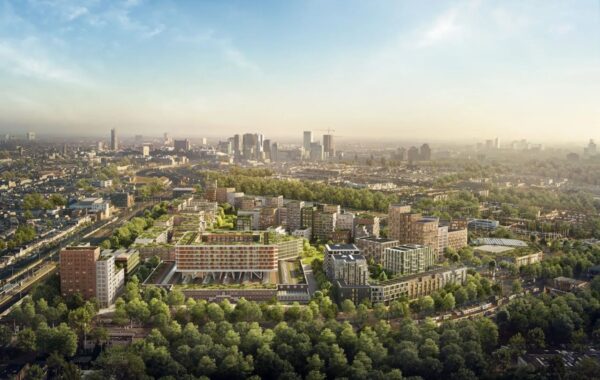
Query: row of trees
36, 201
363, 199
128, 232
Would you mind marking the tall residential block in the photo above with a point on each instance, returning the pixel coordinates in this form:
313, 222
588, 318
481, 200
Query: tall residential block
78, 271
408, 259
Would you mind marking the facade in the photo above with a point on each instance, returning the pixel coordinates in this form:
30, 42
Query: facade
408, 259
351, 269
294, 215
222, 192
267, 218
442, 239
400, 220
458, 238
259, 258
274, 201
109, 280
368, 223
324, 224
372, 247
210, 193
417, 285
78, 271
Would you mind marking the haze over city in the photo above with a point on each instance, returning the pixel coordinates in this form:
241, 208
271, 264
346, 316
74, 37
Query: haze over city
377, 69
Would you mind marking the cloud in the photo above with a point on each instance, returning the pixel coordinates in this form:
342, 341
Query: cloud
21, 62
444, 28
77, 12
225, 46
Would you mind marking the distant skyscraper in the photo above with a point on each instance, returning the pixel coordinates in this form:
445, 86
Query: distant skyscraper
181, 145
249, 146
590, 150
413, 154
328, 146
237, 147
100, 146
30, 136
496, 143
267, 148
316, 152
425, 152
114, 140
139, 139
275, 152
308, 139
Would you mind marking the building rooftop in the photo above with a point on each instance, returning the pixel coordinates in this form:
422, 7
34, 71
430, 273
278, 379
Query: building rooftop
341, 247
377, 239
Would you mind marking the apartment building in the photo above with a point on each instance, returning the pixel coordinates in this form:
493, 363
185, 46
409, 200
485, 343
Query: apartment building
85, 271
109, 280
408, 259
78, 271
417, 285
351, 269
294, 215
372, 247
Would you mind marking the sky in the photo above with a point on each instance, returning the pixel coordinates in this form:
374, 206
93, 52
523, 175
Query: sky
368, 69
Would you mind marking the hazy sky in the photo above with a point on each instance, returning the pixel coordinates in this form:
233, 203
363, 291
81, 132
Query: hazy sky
407, 69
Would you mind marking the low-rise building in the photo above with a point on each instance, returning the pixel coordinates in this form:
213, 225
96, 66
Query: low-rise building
417, 285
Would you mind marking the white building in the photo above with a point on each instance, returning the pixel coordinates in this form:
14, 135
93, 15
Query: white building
109, 280
93, 205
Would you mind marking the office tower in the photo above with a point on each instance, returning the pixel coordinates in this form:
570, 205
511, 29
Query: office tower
412, 154
30, 136
203, 141
145, 150
78, 271
496, 143
308, 139
316, 152
224, 147
267, 149
181, 145
401, 154
237, 148
114, 140
407, 259
249, 146
425, 152
275, 152
328, 146
139, 140
100, 146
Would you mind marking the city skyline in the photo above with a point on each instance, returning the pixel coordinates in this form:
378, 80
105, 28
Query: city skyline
460, 70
